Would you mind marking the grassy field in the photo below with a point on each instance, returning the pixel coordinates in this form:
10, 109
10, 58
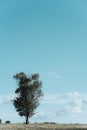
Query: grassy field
42, 127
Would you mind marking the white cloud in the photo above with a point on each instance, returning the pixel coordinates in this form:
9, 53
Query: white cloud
53, 74
45, 115
9, 114
65, 105
62, 98
6, 98
85, 101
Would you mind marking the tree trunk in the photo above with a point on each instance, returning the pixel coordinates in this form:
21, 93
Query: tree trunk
26, 118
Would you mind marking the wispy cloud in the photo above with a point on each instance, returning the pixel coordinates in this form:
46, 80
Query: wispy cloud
6, 98
53, 74
61, 98
68, 105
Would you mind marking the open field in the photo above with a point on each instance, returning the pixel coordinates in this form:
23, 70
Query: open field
42, 127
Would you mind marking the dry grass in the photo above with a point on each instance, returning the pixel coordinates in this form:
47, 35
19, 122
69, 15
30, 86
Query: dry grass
42, 127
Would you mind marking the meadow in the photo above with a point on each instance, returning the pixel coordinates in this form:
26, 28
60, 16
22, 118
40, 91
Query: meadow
43, 127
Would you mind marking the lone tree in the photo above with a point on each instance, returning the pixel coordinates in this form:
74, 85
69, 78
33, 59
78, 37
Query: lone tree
29, 93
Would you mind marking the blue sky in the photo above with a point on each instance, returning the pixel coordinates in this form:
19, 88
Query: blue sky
48, 37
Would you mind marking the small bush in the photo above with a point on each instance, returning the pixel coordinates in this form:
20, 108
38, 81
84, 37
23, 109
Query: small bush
0, 121
7, 122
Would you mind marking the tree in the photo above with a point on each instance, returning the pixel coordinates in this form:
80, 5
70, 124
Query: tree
28, 94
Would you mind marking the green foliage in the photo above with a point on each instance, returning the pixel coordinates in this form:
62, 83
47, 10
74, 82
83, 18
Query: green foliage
8, 122
0, 121
29, 92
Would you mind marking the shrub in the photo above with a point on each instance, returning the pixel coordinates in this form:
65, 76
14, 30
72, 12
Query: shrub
7, 122
0, 121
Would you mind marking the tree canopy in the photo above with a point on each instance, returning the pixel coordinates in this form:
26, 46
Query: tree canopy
28, 93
